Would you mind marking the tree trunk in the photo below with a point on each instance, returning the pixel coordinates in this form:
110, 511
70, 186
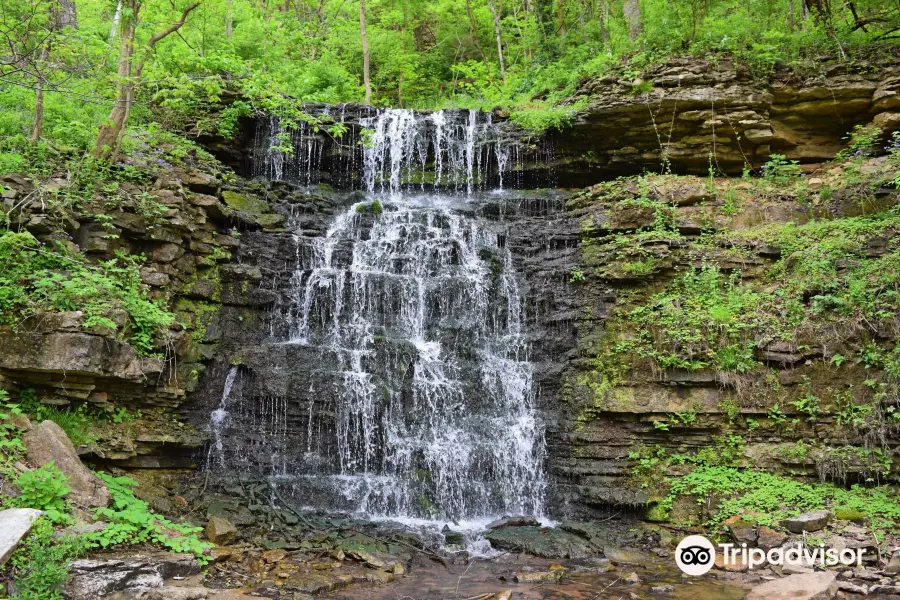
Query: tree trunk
128, 76
473, 33
603, 15
110, 130
229, 25
62, 15
365, 48
37, 128
65, 15
495, 11
632, 11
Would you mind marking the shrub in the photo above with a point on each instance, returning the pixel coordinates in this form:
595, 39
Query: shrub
131, 522
41, 563
45, 489
35, 277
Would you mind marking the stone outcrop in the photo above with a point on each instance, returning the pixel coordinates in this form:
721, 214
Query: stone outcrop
90, 579
693, 115
48, 442
187, 234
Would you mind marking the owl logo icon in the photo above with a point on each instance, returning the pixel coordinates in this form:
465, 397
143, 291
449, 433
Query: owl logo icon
695, 555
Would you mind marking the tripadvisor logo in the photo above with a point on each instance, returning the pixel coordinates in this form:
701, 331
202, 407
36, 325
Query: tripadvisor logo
695, 555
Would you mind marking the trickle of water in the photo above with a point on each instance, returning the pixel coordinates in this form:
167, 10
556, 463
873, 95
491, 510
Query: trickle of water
217, 421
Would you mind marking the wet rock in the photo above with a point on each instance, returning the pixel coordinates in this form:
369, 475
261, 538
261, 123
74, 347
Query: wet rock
15, 523
538, 576
633, 578
810, 586
809, 522
221, 554
48, 442
520, 521
453, 537
504, 595
852, 588
768, 538
245, 203
545, 542
270, 221
744, 533
90, 579
220, 531
662, 589
235, 272
274, 555
893, 565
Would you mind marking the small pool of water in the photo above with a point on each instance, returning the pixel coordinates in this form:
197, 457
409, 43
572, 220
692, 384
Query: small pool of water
583, 580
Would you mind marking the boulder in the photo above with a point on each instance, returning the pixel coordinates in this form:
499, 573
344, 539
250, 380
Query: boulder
809, 586
768, 538
220, 531
546, 542
744, 533
15, 523
91, 579
520, 521
809, 522
48, 442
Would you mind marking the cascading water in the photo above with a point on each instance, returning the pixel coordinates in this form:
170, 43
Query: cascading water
420, 403
458, 150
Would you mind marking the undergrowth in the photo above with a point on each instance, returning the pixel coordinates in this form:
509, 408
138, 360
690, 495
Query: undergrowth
35, 276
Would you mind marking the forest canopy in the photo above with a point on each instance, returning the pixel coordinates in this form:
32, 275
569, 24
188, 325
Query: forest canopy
79, 72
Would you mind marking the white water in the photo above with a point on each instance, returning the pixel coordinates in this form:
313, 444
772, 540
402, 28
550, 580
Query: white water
455, 150
217, 419
415, 307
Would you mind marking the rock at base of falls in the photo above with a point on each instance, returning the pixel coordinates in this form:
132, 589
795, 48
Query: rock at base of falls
520, 521
91, 579
545, 542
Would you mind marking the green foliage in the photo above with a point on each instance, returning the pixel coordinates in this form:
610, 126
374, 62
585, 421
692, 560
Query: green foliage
41, 563
778, 170
10, 434
766, 498
45, 489
703, 319
862, 142
131, 522
35, 277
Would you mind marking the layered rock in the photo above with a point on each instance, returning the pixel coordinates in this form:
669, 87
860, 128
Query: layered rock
693, 116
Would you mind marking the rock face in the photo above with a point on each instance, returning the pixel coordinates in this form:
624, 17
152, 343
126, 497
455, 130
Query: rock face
93, 579
695, 108
15, 523
811, 586
48, 442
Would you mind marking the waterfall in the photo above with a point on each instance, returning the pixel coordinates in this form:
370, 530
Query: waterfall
454, 150
416, 399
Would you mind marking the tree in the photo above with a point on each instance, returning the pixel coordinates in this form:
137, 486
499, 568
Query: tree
129, 75
62, 16
632, 11
365, 49
495, 11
